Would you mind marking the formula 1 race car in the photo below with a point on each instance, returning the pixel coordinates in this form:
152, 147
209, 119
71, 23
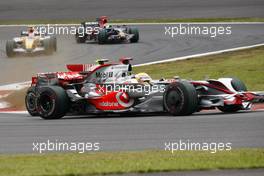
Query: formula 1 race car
31, 42
98, 31
112, 88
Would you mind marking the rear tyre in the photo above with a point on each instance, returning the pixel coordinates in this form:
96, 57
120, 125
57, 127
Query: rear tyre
102, 36
30, 101
52, 102
47, 46
10, 45
80, 39
180, 98
135, 32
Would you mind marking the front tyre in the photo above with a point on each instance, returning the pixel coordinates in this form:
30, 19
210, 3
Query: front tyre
52, 102
80, 39
10, 45
180, 98
135, 33
230, 108
102, 36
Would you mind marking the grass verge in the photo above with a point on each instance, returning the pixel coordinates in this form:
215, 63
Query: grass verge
128, 162
245, 64
167, 20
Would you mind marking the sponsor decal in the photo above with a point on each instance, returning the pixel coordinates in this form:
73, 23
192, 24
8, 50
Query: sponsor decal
69, 76
107, 104
124, 100
104, 74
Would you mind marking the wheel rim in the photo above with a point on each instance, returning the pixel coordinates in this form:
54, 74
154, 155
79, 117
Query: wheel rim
46, 103
174, 100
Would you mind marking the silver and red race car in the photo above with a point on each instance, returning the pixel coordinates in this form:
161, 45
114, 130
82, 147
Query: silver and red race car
102, 33
113, 88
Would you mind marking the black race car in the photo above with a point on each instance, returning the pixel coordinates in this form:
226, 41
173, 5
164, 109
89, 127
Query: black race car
100, 32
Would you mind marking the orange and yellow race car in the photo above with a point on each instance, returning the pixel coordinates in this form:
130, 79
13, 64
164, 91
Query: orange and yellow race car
31, 41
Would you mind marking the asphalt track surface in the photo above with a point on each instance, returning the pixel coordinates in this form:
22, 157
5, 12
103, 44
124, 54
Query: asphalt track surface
153, 45
123, 9
244, 129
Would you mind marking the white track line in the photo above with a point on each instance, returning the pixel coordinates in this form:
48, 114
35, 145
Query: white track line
199, 55
4, 104
172, 23
13, 112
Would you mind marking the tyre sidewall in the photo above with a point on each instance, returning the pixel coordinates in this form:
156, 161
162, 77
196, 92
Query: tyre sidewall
31, 108
135, 32
58, 99
229, 108
173, 110
80, 39
10, 45
102, 36
188, 97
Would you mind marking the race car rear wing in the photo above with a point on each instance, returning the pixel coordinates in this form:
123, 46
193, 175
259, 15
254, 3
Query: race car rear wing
101, 21
81, 67
100, 62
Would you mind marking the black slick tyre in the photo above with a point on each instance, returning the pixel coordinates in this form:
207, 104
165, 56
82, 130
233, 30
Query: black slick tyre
102, 36
135, 33
30, 101
10, 45
52, 102
180, 98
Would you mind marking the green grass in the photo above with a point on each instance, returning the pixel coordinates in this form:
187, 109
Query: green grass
128, 162
248, 65
167, 20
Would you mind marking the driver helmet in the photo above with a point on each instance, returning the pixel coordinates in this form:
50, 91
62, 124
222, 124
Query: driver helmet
106, 26
31, 29
143, 78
